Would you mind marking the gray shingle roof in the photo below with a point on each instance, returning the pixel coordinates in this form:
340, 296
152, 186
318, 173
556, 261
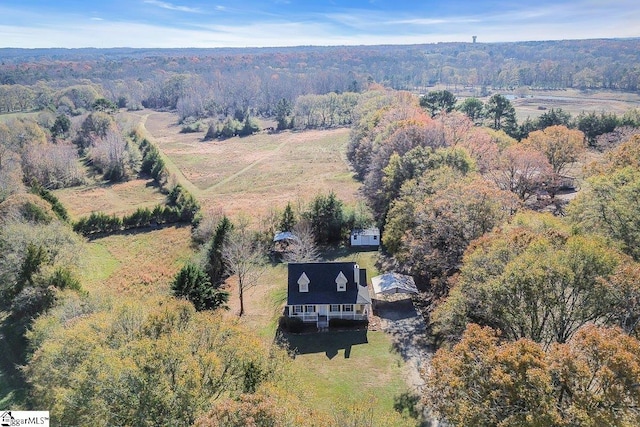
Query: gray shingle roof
322, 284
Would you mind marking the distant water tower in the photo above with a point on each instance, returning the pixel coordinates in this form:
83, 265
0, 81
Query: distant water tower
474, 38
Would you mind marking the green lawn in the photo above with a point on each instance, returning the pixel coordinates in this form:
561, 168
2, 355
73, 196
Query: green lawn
338, 369
97, 264
347, 370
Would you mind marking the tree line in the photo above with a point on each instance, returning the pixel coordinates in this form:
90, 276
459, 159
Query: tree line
263, 76
498, 113
533, 312
220, 83
181, 205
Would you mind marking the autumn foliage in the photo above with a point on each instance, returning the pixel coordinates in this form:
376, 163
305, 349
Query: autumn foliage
143, 361
591, 380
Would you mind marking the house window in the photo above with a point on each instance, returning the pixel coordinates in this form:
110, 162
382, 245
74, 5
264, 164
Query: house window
375, 237
341, 282
297, 309
355, 237
310, 308
347, 307
335, 308
303, 283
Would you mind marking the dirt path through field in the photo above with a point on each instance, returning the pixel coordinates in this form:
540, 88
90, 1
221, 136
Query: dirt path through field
269, 155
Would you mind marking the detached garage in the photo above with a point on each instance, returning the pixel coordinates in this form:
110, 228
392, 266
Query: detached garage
365, 237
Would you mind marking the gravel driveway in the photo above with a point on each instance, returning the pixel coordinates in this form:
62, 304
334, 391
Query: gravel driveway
400, 319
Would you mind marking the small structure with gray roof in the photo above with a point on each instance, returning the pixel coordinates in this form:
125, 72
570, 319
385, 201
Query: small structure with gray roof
393, 283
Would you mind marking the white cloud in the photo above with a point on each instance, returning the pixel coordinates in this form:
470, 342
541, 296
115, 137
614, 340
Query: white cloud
171, 6
433, 21
345, 28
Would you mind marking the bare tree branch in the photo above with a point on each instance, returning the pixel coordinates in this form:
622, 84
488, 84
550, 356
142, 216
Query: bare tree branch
244, 258
303, 247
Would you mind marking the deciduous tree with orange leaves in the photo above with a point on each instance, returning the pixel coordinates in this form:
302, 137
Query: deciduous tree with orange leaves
592, 380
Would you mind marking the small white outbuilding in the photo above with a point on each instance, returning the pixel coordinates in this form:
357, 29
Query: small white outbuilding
365, 237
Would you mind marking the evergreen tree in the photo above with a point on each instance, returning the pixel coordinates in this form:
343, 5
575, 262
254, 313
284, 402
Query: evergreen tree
327, 218
473, 108
193, 283
215, 266
502, 115
283, 111
288, 220
438, 101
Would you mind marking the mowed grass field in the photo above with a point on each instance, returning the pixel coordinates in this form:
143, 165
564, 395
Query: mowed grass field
119, 199
257, 173
536, 103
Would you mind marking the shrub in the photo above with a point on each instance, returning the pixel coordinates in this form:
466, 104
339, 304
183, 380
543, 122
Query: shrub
347, 323
231, 128
192, 283
192, 128
140, 218
149, 159
63, 278
249, 127
34, 213
57, 207
290, 324
186, 205
98, 222
212, 133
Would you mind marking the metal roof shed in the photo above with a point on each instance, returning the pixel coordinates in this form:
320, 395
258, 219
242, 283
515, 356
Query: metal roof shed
394, 283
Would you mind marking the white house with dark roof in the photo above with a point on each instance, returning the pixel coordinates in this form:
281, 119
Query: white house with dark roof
318, 292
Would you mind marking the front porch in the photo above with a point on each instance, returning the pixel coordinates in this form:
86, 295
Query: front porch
321, 314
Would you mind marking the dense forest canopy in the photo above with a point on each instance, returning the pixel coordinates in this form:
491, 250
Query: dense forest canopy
542, 64
258, 78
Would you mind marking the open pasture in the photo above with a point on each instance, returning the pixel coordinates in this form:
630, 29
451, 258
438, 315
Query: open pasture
119, 198
135, 265
534, 103
256, 173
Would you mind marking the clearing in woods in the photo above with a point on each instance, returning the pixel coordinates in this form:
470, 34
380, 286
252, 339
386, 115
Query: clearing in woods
255, 173
250, 175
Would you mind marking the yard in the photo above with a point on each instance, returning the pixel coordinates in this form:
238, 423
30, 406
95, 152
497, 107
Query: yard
331, 370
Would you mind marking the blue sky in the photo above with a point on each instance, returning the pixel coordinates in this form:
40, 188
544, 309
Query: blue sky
251, 23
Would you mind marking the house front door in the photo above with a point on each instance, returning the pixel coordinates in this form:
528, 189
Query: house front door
323, 310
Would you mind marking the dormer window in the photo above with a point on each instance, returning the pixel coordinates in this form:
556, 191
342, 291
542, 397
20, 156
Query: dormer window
303, 283
341, 282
